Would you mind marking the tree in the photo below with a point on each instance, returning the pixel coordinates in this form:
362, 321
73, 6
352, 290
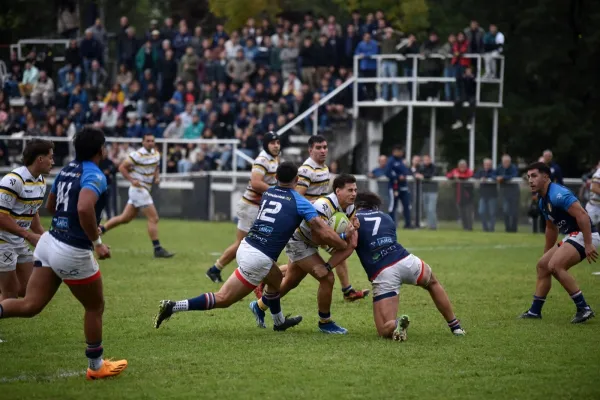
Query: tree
237, 12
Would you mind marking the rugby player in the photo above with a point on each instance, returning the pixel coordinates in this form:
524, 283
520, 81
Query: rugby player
21, 195
593, 206
563, 213
303, 252
313, 182
141, 169
261, 179
388, 265
65, 253
281, 211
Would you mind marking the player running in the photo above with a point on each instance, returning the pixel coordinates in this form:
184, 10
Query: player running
593, 206
313, 182
303, 252
563, 212
65, 254
141, 169
388, 265
281, 211
262, 178
21, 195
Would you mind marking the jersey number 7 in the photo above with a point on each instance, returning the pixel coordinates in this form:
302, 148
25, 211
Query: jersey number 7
376, 226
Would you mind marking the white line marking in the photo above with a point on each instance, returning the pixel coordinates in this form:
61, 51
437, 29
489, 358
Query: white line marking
42, 378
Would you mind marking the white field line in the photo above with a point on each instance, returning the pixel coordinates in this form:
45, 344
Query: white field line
42, 378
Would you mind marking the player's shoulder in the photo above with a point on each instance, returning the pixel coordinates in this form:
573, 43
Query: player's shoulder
596, 175
93, 172
14, 179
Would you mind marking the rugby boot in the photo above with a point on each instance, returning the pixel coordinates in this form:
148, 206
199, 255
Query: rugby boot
583, 315
259, 314
161, 252
165, 310
109, 368
354, 295
331, 327
399, 333
289, 322
529, 315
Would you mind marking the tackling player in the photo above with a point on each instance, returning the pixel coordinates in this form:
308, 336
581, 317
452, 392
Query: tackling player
388, 265
303, 252
313, 182
281, 211
21, 195
563, 213
65, 253
141, 169
262, 178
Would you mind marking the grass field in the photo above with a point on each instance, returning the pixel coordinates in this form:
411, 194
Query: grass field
222, 355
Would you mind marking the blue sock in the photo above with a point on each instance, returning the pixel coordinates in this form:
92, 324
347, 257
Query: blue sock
206, 301
536, 306
454, 324
324, 317
94, 353
274, 303
347, 290
579, 301
156, 244
214, 270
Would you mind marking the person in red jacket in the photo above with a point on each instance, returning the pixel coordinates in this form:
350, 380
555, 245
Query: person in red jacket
460, 63
464, 193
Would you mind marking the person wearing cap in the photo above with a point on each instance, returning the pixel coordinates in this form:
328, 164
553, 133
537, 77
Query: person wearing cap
262, 178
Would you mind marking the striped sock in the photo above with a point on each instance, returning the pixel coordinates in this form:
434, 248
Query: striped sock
94, 352
206, 301
347, 290
273, 299
454, 324
579, 301
262, 303
536, 306
324, 317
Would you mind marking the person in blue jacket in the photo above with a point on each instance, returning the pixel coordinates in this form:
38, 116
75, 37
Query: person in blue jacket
367, 65
397, 173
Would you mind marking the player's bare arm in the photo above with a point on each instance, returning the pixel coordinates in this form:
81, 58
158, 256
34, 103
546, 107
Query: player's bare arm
327, 235
8, 224
125, 169
156, 175
339, 256
51, 204
551, 236
583, 221
257, 182
36, 225
86, 209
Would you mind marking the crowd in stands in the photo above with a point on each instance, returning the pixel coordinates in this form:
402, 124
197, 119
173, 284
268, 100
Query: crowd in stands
178, 81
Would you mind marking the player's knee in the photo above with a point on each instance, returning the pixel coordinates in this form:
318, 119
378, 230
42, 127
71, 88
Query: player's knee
554, 267
328, 280
543, 267
153, 219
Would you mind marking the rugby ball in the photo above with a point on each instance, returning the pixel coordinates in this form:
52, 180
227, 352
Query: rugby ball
338, 222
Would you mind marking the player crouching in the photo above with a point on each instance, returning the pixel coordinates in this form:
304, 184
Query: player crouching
281, 211
388, 265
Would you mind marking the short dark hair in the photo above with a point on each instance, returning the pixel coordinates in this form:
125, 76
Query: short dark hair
150, 133
286, 172
88, 143
342, 180
540, 166
367, 200
316, 139
397, 148
35, 148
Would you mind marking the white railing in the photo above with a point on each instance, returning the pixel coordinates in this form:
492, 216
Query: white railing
314, 109
17, 47
415, 80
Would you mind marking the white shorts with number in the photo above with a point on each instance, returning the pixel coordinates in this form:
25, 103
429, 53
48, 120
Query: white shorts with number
139, 197
594, 212
576, 239
73, 265
13, 254
253, 265
409, 270
297, 250
246, 214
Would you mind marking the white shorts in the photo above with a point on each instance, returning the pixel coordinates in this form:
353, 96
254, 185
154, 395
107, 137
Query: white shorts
297, 250
73, 265
246, 214
253, 265
13, 254
387, 284
576, 239
594, 212
139, 197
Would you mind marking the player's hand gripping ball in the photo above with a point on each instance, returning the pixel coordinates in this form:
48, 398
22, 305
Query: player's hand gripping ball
338, 222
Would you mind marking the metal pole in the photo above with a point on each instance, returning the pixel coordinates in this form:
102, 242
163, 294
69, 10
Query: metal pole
478, 80
495, 138
355, 88
164, 158
409, 132
501, 91
432, 128
472, 145
378, 84
414, 79
234, 166
315, 118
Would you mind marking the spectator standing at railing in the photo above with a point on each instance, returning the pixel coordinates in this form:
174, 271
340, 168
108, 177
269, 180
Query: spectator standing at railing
389, 67
460, 63
556, 175
432, 66
110, 172
408, 47
367, 65
380, 170
493, 43
430, 192
464, 193
488, 195
474, 34
397, 174
506, 173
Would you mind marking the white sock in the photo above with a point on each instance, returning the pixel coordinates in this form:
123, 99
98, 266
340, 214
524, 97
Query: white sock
95, 363
181, 305
278, 318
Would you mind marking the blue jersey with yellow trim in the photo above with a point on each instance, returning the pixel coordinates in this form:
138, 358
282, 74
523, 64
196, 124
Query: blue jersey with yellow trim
377, 246
281, 212
67, 187
555, 206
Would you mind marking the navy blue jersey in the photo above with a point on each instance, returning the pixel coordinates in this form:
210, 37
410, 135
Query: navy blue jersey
281, 212
67, 186
378, 247
555, 206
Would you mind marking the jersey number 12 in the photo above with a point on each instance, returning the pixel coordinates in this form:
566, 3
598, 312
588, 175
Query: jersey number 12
62, 195
263, 213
